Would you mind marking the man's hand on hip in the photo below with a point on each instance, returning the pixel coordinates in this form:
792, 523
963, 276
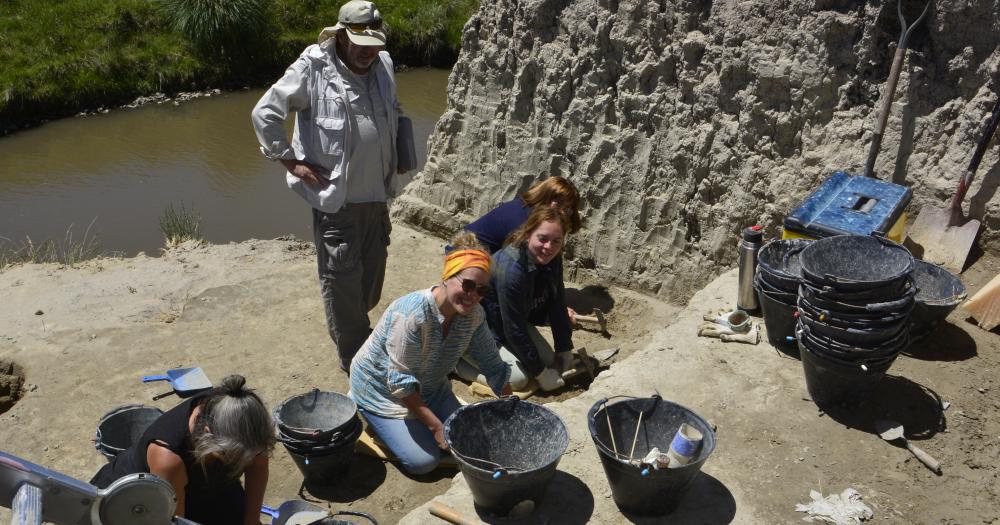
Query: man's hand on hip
312, 175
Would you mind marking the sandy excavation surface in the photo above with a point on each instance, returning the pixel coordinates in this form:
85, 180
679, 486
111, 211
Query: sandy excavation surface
84, 336
774, 445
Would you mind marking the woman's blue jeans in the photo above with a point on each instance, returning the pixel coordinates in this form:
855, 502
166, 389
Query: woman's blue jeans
409, 439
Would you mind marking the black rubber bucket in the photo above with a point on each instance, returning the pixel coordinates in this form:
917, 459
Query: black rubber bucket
315, 415
894, 299
613, 426
778, 263
851, 355
326, 467
507, 449
349, 435
779, 321
939, 292
780, 293
286, 510
860, 336
834, 383
120, 428
855, 262
841, 319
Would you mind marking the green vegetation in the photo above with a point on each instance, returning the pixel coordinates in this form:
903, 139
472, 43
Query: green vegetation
68, 250
180, 225
62, 56
217, 24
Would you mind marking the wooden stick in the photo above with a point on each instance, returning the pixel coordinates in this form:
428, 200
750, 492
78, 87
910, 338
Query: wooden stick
449, 514
610, 431
636, 437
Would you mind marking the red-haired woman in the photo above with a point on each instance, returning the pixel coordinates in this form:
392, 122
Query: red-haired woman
493, 228
528, 291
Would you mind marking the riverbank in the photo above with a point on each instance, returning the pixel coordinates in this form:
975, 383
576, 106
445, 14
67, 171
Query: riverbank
63, 58
85, 334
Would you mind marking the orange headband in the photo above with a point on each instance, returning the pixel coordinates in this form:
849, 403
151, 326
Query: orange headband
459, 260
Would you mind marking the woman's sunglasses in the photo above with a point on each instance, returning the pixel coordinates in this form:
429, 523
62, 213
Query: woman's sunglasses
361, 28
469, 286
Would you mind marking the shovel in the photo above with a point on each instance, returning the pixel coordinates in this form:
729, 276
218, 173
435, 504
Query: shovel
186, 382
891, 431
945, 234
890, 85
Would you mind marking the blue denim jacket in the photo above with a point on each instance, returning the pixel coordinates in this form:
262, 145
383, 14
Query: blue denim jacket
525, 293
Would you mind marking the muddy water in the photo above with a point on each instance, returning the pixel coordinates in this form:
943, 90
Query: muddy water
121, 171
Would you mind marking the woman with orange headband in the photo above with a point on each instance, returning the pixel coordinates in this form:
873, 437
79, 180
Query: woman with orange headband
399, 378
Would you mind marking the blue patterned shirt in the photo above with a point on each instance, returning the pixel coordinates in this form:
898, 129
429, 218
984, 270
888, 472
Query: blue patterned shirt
407, 352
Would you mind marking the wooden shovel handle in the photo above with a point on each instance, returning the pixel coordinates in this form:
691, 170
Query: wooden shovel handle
883, 114
977, 157
924, 457
450, 515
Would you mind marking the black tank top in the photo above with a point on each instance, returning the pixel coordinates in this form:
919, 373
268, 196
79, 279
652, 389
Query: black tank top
212, 497
171, 431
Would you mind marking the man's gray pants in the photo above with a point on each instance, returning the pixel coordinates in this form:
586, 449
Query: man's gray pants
351, 250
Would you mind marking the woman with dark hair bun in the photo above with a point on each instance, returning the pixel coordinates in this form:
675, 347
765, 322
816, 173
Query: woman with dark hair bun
201, 447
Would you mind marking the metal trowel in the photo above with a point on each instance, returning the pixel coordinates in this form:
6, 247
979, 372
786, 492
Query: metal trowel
891, 431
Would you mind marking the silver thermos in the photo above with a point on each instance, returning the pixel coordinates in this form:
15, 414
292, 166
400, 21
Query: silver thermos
746, 299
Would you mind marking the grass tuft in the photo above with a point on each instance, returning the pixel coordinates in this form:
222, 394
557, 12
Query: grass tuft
180, 225
217, 25
69, 251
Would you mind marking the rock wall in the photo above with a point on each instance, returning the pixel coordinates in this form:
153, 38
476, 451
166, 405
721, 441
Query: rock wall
681, 122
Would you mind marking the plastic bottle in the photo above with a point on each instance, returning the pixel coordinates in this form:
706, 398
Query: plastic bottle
746, 299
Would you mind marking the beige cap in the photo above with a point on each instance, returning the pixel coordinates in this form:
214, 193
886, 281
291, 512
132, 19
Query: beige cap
362, 22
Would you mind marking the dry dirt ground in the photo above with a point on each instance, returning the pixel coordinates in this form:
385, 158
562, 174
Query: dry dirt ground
85, 335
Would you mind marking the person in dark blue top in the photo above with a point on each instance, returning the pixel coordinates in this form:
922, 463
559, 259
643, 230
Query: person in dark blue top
528, 291
493, 228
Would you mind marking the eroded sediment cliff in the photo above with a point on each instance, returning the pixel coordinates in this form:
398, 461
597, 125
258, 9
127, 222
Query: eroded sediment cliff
681, 122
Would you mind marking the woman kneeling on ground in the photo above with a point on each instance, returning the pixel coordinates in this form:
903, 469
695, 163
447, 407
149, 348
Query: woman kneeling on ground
528, 291
399, 378
201, 447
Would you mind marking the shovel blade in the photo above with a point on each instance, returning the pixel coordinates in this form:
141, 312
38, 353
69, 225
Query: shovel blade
941, 243
889, 430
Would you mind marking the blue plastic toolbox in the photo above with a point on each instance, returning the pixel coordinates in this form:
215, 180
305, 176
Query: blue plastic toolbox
851, 204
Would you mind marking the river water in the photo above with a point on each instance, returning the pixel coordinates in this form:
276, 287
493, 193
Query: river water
121, 171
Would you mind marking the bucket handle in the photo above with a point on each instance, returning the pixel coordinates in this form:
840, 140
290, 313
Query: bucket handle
604, 406
360, 514
270, 511
497, 472
888, 305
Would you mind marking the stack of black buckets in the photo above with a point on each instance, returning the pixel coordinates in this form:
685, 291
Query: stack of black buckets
854, 304
319, 430
777, 284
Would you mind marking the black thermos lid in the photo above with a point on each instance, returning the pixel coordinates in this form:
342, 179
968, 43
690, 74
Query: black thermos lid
754, 234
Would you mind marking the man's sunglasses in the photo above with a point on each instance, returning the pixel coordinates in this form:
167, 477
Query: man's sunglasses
469, 286
361, 28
